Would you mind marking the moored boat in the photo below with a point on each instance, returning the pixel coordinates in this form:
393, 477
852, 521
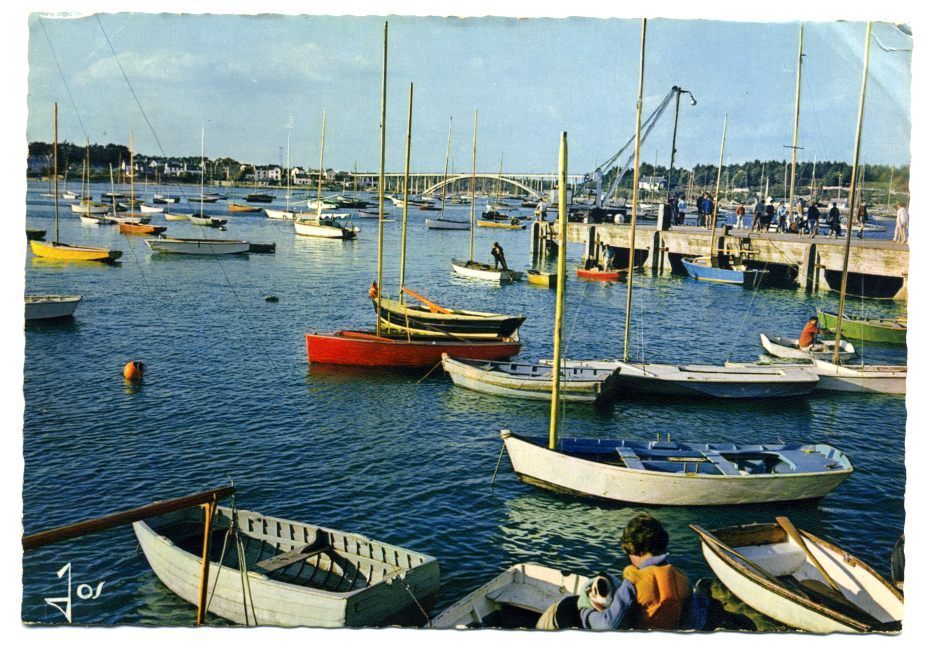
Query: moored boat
204, 199
367, 349
599, 273
44, 307
141, 228
678, 474
887, 330
446, 224
733, 272
197, 246
512, 224
129, 217
789, 579
784, 347
244, 209
165, 199
513, 599
151, 209
526, 380
540, 278
89, 207
65, 252
297, 574
875, 379
173, 216
431, 320
92, 219
283, 214
484, 272
207, 221
325, 226
259, 198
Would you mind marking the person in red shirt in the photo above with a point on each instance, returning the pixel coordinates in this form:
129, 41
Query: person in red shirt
809, 334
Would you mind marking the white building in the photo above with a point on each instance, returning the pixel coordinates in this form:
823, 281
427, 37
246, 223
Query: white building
268, 174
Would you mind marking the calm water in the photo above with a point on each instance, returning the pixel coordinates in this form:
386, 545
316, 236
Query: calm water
228, 394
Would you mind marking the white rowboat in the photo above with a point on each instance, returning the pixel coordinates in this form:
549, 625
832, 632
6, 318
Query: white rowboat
785, 347
283, 214
44, 307
767, 570
197, 246
176, 217
515, 598
484, 272
298, 574
150, 209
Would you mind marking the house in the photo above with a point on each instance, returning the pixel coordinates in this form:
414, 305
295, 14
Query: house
653, 183
299, 177
37, 164
268, 173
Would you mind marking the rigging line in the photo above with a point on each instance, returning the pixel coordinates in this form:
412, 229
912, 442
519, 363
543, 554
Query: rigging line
63, 80
739, 329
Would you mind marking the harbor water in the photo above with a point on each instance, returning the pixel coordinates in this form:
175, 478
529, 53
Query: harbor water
403, 457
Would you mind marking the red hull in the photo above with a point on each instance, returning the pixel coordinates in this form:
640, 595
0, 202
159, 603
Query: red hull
368, 350
599, 275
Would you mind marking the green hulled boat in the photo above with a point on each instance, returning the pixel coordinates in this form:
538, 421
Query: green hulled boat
885, 330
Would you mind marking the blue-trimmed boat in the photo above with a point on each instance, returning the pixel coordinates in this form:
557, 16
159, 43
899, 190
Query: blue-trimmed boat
732, 272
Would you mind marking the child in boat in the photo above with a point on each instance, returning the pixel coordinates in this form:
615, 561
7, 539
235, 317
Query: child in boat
809, 335
653, 594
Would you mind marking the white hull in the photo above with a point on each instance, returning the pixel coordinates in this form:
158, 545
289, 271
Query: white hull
133, 218
90, 219
146, 209
40, 307
280, 214
485, 272
564, 473
444, 224
321, 230
197, 246
207, 221
89, 208
69, 195
319, 205
498, 383
176, 217
866, 378
527, 586
858, 583
784, 348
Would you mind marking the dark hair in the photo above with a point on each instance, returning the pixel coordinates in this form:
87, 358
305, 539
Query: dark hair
644, 534
813, 318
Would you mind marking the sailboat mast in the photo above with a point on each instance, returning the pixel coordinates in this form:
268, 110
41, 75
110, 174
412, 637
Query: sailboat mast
319, 178
632, 252
287, 195
852, 198
132, 180
560, 294
813, 178
713, 216
203, 170
474, 166
445, 174
381, 182
797, 114
403, 230
55, 170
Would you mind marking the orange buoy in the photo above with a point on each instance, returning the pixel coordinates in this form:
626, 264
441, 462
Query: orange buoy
133, 370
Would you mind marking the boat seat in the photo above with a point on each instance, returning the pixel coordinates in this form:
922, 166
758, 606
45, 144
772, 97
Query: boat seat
724, 465
295, 555
630, 458
522, 595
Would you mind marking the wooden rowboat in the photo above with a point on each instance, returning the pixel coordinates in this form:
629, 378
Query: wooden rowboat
297, 574
141, 228
366, 349
876, 329
65, 252
45, 307
514, 599
512, 224
526, 380
599, 274
540, 278
169, 216
785, 347
678, 474
431, 320
246, 209
772, 573
131, 217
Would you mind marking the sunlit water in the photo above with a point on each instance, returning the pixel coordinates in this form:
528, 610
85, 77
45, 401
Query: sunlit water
228, 394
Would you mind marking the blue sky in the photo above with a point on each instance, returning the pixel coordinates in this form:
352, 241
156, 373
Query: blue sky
246, 78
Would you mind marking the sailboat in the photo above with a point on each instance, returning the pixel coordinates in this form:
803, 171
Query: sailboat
286, 213
663, 473
378, 348
86, 206
133, 226
443, 223
63, 251
317, 225
471, 268
717, 266
199, 218
886, 379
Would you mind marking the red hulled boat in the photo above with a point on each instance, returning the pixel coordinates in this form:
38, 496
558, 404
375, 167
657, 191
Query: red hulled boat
359, 348
596, 274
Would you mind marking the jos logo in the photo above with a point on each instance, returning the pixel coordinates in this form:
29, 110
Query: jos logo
83, 591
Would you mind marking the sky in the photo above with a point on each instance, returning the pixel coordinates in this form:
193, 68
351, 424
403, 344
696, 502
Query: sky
246, 79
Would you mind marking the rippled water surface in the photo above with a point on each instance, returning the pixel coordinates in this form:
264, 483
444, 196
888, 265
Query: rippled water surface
228, 394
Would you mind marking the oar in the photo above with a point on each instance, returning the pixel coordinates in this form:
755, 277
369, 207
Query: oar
436, 308
793, 533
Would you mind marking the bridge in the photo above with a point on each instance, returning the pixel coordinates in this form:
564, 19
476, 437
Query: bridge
428, 183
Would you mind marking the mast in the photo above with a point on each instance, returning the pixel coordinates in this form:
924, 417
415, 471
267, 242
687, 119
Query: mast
203, 170
132, 182
403, 230
474, 163
55, 169
890, 183
813, 178
445, 174
319, 177
632, 252
797, 114
713, 216
381, 182
852, 198
287, 194
560, 294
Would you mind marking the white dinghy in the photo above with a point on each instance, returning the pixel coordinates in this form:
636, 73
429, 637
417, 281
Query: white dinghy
295, 574
800, 580
785, 347
862, 378
44, 307
485, 272
514, 599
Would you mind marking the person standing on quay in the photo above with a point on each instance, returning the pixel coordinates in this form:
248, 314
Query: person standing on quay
757, 210
813, 218
682, 207
862, 215
833, 220
782, 213
901, 223
740, 216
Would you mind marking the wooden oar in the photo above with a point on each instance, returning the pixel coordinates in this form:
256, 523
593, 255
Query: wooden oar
436, 308
793, 533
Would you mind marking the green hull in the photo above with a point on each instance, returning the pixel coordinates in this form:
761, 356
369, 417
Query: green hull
886, 331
